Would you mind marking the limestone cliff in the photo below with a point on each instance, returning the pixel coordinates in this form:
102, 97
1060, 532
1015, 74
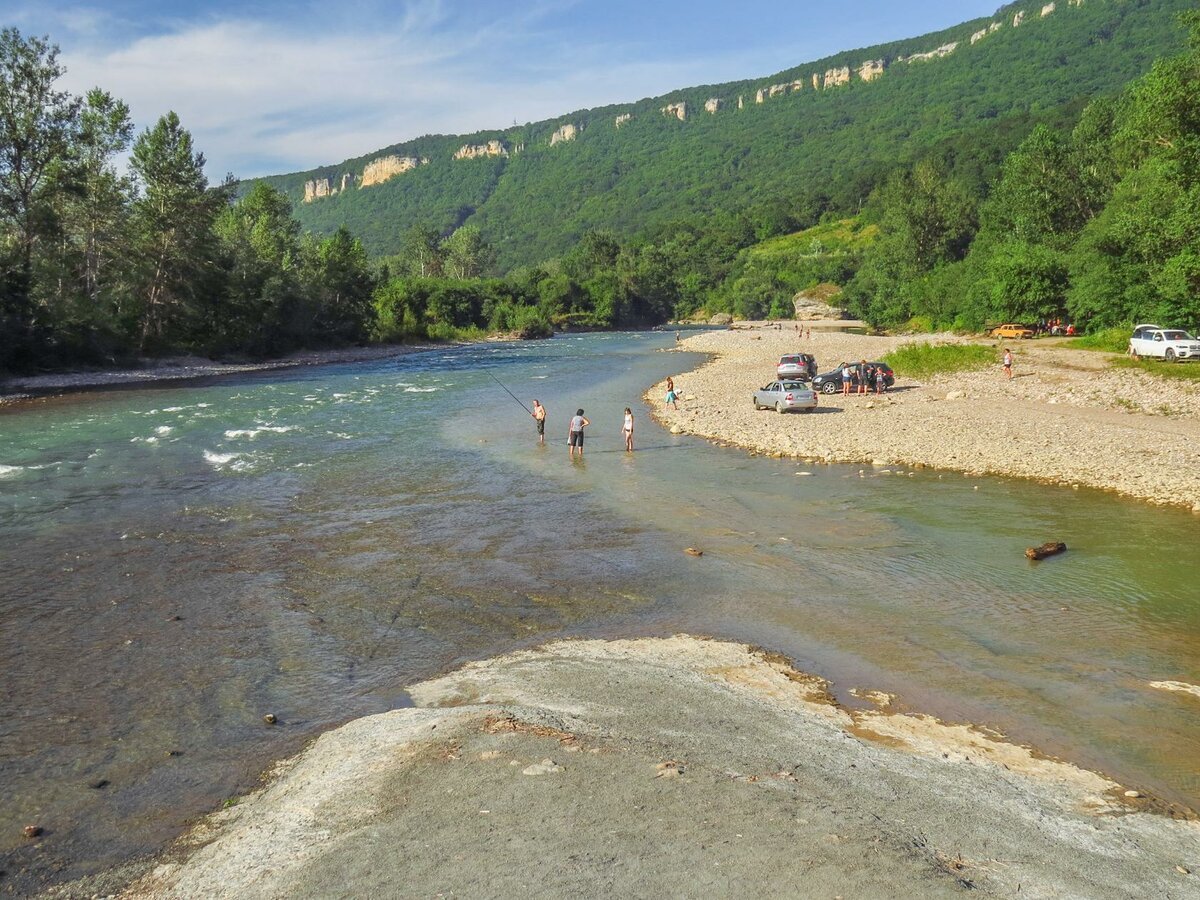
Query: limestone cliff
380, 170
944, 50
623, 118
835, 77
478, 151
870, 70
1018, 19
712, 104
677, 110
317, 187
567, 132
1047, 9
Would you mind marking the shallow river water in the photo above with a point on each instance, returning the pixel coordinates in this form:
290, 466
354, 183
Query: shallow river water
179, 561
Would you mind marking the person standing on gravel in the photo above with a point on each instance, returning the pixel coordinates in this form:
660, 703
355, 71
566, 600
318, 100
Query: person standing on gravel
846, 374
863, 372
1008, 363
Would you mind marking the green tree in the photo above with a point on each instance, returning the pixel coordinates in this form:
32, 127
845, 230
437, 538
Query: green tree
339, 278
262, 309
173, 219
467, 255
422, 254
926, 220
38, 127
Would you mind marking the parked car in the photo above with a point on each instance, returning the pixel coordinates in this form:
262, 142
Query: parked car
1012, 330
784, 395
1171, 344
797, 365
831, 382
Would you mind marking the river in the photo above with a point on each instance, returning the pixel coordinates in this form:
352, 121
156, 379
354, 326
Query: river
180, 561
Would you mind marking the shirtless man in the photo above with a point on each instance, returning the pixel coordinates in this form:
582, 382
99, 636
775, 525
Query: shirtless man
539, 416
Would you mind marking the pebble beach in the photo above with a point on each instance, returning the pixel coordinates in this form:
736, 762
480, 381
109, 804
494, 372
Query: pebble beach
1066, 417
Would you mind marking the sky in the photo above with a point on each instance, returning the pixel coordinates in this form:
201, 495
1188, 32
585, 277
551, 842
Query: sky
271, 87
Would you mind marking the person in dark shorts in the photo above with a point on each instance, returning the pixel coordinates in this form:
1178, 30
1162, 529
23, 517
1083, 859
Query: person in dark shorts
575, 433
539, 416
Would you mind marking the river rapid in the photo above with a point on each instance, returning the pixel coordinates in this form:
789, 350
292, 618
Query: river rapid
180, 561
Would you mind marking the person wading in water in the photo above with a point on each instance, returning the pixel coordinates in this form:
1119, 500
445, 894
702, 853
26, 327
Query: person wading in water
627, 430
575, 433
539, 416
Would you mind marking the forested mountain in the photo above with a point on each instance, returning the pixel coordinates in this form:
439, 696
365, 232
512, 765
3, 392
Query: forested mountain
829, 139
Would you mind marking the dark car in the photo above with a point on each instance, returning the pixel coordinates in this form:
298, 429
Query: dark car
796, 365
831, 382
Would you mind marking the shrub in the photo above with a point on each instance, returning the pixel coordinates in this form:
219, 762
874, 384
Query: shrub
924, 360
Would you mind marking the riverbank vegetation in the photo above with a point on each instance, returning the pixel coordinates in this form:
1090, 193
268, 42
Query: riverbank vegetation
920, 360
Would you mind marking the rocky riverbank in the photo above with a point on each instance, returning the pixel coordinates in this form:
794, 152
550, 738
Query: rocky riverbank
1066, 417
661, 767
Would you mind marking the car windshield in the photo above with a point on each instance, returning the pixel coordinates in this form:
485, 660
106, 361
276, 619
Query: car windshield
794, 386
1177, 336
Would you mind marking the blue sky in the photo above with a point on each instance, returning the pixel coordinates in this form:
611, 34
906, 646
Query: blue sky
268, 87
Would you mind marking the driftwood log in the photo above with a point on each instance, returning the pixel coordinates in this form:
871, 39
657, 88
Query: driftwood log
1053, 548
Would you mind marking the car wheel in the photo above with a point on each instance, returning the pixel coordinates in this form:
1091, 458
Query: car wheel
829, 388
780, 408
1170, 357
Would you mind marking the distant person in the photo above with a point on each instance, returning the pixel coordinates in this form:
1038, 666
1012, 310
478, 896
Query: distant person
809, 335
670, 383
539, 416
672, 397
627, 429
575, 433
880, 380
861, 372
847, 374
1007, 363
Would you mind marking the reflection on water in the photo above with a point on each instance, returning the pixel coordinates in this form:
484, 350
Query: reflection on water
182, 561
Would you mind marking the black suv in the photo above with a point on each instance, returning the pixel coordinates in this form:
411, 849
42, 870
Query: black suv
831, 382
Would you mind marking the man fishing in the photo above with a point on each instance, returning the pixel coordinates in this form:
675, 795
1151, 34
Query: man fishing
539, 416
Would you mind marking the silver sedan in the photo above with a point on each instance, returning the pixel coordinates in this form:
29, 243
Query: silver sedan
784, 395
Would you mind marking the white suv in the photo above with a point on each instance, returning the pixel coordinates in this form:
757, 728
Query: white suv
1170, 344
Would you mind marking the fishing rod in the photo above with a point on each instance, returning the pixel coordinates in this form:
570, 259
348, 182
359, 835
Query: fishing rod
510, 393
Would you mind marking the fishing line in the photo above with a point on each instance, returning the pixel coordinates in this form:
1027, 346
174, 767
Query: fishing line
510, 393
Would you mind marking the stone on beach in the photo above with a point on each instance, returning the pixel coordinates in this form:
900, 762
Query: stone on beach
545, 767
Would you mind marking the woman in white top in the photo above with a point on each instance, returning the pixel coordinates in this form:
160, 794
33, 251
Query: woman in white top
628, 429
